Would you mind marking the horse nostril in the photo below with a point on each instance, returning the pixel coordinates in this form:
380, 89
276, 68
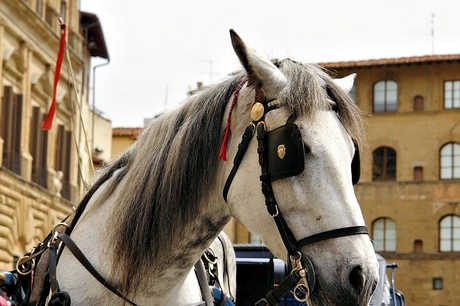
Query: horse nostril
357, 278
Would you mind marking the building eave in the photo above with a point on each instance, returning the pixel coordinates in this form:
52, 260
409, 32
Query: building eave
94, 36
401, 61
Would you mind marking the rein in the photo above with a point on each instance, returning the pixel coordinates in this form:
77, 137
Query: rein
302, 276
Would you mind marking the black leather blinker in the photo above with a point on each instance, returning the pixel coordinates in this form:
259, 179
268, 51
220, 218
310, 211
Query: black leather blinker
285, 152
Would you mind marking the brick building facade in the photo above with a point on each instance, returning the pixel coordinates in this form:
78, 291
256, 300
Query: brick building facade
410, 183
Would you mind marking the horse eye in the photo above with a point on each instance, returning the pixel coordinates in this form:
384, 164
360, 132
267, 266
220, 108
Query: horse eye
306, 148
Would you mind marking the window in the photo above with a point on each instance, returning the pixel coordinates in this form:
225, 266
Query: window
63, 158
11, 129
437, 283
451, 94
418, 104
449, 234
39, 7
418, 246
418, 174
384, 164
63, 11
384, 235
450, 161
51, 16
385, 96
38, 148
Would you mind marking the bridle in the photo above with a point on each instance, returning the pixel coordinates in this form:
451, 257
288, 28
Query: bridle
281, 155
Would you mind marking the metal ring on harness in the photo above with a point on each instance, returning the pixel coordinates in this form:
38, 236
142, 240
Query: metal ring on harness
301, 292
25, 265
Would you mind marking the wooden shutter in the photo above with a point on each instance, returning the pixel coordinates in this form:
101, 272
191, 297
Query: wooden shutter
11, 129
38, 147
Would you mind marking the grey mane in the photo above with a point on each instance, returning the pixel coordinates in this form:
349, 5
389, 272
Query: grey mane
167, 174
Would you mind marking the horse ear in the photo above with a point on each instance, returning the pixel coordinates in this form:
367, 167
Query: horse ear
346, 83
259, 68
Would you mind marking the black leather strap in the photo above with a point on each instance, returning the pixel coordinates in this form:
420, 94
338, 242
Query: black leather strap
242, 147
270, 200
70, 244
273, 297
335, 233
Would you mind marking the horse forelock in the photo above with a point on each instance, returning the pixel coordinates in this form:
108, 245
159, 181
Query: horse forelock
308, 90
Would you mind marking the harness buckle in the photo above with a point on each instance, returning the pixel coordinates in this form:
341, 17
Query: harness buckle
210, 264
53, 239
57, 231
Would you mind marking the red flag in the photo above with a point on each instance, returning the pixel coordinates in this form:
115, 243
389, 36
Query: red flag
46, 124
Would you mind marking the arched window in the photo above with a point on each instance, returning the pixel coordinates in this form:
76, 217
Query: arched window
449, 234
385, 96
418, 104
418, 246
384, 235
418, 174
384, 164
450, 161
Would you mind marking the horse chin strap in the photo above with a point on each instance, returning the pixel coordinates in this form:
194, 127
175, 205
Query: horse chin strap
302, 279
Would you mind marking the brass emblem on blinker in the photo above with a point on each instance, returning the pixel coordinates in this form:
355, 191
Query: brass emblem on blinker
281, 150
257, 111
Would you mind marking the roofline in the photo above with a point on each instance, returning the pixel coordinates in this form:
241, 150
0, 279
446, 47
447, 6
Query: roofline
127, 131
412, 60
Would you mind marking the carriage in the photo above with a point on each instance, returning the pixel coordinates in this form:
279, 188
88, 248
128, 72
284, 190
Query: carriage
258, 272
292, 134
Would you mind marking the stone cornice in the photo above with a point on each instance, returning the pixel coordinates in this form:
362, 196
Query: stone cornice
40, 37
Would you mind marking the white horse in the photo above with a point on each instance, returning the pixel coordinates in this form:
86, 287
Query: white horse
153, 212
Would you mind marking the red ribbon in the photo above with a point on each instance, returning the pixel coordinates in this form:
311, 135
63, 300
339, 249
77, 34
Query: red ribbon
46, 124
223, 146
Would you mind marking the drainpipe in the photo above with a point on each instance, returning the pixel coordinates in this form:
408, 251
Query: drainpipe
94, 100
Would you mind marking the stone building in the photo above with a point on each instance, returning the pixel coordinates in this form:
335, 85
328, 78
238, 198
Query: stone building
44, 173
410, 182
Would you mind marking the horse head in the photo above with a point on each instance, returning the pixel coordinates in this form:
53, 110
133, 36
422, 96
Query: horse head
305, 158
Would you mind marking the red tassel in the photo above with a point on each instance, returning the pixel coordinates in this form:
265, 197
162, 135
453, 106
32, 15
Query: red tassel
223, 146
46, 124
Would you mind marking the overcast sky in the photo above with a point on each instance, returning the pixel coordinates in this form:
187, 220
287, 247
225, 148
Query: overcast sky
159, 50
